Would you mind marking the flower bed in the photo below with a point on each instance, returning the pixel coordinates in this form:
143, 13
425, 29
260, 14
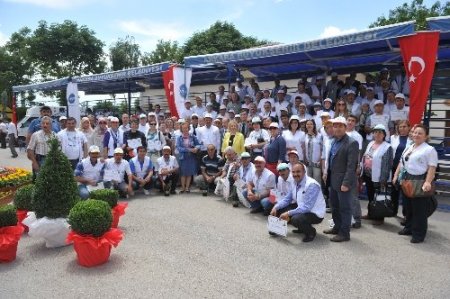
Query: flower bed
12, 178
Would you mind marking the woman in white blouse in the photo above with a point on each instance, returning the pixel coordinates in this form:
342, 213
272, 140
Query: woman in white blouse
418, 162
295, 138
313, 151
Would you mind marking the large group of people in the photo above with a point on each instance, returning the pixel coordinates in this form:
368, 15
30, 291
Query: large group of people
295, 155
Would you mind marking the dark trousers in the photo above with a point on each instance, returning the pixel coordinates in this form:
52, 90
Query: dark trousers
74, 163
341, 210
137, 186
304, 222
12, 144
416, 215
171, 181
3, 139
395, 196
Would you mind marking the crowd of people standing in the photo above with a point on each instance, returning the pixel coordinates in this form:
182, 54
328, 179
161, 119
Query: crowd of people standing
295, 154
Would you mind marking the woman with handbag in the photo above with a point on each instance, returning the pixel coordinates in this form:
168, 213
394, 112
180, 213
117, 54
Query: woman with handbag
187, 146
377, 166
399, 142
415, 174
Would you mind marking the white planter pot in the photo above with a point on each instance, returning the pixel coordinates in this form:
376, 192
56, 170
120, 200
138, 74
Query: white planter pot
53, 231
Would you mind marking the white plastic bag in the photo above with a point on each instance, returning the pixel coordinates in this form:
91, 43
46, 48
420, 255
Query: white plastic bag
53, 231
242, 199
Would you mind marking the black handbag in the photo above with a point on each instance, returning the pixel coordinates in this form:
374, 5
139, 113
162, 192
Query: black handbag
381, 206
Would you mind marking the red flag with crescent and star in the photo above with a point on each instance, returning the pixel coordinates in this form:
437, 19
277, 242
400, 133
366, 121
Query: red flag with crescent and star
419, 53
169, 89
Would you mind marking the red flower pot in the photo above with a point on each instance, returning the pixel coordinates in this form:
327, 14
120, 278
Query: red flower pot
9, 238
93, 251
21, 215
117, 212
89, 256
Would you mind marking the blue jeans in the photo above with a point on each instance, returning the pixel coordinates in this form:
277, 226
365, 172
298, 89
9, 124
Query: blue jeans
83, 191
257, 203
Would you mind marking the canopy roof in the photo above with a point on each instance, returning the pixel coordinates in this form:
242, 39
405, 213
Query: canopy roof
365, 49
135, 79
442, 24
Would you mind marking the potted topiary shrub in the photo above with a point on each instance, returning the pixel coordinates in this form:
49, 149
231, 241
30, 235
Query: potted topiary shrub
23, 201
55, 193
111, 197
91, 233
10, 233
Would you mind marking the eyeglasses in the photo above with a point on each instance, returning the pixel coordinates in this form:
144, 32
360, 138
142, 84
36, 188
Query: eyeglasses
152, 124
102, 123
341, 104
273, 128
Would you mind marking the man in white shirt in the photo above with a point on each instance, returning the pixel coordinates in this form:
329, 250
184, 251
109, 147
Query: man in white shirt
221, 94
301, 91
12, 134
284, 185
281, 103
352, 120
89, 171
3, 133
199, 109
142, 170
207, 135
115, 170
378, 118
318, 89
399, 111
73, 142
259, 187
167, 171
210, 111
187, 112
266, 97
125, 126
352, 107
143, 124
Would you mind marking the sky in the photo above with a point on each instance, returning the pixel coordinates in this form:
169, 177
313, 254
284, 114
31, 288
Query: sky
283, 21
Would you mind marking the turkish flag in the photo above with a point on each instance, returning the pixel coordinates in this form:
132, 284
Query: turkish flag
419, 53
169, 89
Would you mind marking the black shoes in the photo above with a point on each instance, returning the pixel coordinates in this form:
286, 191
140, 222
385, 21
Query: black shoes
405, 232
356, 225
236, 204
330, 231
257, 210
339, 238
415, 241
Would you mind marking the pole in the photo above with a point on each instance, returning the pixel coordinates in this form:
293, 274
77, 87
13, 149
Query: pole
129, 99
14, 108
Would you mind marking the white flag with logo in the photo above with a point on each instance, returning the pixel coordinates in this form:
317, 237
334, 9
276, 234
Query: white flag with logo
181, 82
73, 101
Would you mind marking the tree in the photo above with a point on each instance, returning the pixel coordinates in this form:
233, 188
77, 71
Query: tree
66, 49
220, 37
124, 53
415, 11
165, 51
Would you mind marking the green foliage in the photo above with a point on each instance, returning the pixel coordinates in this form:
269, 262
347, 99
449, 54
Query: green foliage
416, 10
165, 51
109, 195
8, 216
23, 199
220, 37
56, 191
91, 217
124, 54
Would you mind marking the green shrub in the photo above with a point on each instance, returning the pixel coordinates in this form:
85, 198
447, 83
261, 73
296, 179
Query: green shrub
56, 191
8, 216
23, 200
91, 217
109, 195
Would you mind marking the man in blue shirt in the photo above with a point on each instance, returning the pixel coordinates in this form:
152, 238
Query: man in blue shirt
304, 205
35, 124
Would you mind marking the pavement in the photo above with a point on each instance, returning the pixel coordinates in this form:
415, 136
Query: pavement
190, 246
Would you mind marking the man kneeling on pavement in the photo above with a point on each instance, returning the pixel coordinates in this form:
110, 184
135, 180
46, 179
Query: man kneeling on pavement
211, 166
309, 206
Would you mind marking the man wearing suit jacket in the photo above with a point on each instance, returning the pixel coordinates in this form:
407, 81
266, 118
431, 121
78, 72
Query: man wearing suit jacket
342, 179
